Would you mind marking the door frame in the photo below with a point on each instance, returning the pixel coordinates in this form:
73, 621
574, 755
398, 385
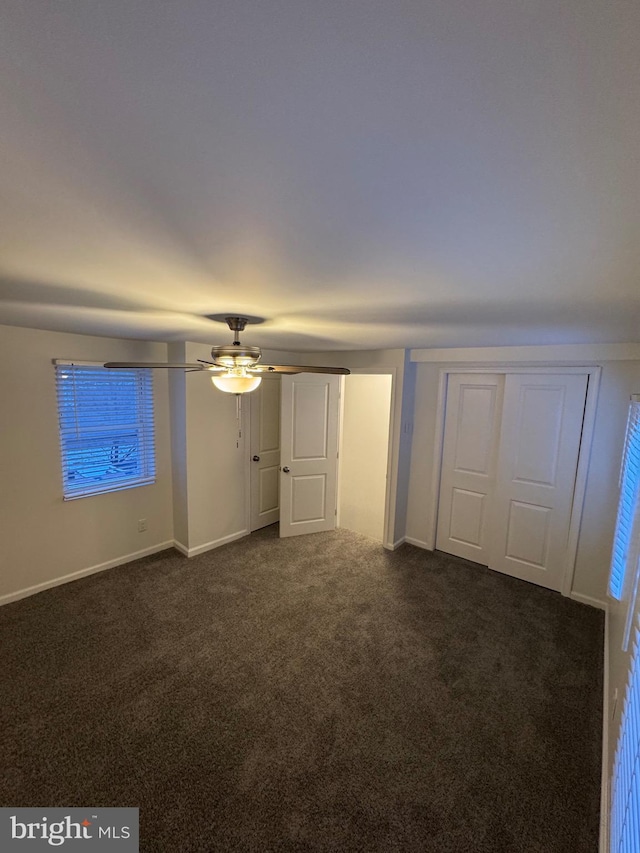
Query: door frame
593, 372
392, 485
249, 421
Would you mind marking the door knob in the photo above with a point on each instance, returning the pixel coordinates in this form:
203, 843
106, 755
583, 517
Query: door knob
256, 458
285, 469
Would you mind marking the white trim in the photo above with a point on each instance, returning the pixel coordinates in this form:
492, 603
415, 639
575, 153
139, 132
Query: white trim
589, 600
603, 847
418, 543
180, 547
391, 491
92, 570
341, 395
216, 543
551, 353
438, 447
391, 546
580, 484
246, 409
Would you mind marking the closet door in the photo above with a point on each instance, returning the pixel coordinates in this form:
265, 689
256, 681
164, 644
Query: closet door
538, 457
467, 485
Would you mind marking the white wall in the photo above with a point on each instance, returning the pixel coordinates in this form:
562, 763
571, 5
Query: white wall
364, 453
178, 407
620, 378
208, 444
45, 538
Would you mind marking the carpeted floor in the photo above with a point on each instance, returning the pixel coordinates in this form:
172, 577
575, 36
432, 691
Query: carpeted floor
309, 694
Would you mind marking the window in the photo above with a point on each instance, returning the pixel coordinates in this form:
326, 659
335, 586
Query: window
627, 533
625, 782
106, 428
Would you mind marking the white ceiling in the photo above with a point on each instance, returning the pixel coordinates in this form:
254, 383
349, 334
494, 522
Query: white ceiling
361, 173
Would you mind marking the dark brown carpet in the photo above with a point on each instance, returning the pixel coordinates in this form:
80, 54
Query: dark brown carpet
314, 694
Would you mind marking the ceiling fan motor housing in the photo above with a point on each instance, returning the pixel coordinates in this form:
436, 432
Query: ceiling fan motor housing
236, 355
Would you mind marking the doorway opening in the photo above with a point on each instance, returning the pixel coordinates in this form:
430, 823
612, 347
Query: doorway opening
363, 457
364, 453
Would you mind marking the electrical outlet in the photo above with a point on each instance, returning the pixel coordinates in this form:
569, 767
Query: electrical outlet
142, 525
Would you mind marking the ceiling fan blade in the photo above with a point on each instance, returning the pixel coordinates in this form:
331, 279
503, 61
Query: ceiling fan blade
211, 365
122, 365
296, 368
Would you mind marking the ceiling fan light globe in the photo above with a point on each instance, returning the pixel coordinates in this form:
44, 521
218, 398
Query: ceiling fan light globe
232, 384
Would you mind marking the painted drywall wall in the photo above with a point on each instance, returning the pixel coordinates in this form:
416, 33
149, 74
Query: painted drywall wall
43, 537
178, 420
620, 378
209, 451
364, 453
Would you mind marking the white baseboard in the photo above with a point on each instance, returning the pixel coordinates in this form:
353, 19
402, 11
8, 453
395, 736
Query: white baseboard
209, 546
391, 546
180, 547
418, 543
603, 847
92, 570
587, 599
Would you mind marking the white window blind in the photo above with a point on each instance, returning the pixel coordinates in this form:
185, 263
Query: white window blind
106, 428
627, 533
625, 783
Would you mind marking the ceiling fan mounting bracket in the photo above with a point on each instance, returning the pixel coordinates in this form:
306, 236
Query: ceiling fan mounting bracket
236, 324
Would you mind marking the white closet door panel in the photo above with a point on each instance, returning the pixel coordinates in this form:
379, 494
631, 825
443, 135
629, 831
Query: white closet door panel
467, 517
528, 529
471, 434
540, 442
540, 416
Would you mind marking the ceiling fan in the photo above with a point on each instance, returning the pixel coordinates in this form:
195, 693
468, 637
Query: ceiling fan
235, 366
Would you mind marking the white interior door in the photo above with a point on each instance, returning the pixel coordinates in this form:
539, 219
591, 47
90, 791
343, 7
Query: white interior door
469, 457
265, 453
309, 453
541, 430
